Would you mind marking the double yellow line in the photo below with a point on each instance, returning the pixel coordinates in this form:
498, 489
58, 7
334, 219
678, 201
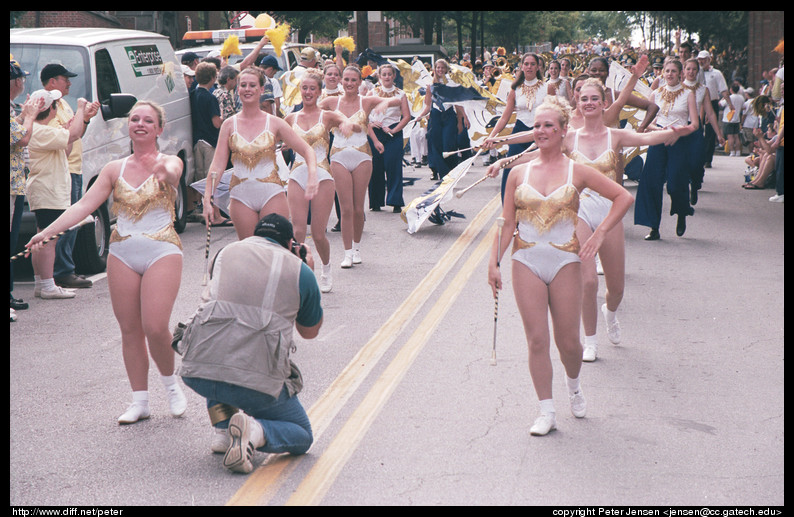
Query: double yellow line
263, 483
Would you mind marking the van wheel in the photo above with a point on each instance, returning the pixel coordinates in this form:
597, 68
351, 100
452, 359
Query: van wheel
92, 244
180, 210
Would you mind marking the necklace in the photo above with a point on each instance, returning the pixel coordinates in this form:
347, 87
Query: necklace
694, 86
386, 92
668, 97
529, 91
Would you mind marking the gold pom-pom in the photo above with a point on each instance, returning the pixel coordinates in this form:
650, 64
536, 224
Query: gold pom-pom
346, 42
278, 36
779, 47
366, 71
231, 46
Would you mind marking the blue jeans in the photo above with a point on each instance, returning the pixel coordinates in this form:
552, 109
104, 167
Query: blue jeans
64, 263
286, 424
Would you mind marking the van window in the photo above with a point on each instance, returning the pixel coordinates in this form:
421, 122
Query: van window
33, 58
106, 80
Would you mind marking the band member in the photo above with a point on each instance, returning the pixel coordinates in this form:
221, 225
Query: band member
387, 144
145, 263
250, 136
542, 201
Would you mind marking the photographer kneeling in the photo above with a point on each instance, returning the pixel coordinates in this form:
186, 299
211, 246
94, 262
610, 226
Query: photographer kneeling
235, 350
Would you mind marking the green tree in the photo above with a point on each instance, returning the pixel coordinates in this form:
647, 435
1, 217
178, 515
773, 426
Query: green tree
320, 23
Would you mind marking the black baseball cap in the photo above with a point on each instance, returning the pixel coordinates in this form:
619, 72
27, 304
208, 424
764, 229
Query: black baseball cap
276, 227
54, 70
189, 57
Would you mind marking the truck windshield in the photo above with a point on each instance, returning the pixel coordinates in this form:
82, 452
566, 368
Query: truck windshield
33, 58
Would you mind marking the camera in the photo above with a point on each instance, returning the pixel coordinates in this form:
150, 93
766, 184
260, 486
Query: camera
299, 249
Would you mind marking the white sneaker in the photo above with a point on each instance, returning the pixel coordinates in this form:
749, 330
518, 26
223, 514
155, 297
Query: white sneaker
613, 329
777, 198
356, 256
578, 404
238, 455
13, 315
246, 434
177, 400
135, 412
37, 291
347, 262
56, 293
544, 423
220, 441
590, 353
325, 283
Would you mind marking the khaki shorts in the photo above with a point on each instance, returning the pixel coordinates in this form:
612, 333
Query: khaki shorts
203, 153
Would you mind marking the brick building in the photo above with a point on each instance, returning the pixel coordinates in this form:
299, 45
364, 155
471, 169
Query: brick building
765, 30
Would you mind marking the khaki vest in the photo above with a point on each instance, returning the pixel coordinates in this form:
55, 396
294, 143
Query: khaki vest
243, 335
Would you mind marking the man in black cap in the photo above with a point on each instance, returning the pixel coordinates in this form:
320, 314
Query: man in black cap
55, 76
235, 350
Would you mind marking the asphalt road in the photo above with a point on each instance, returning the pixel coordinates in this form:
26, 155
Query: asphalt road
407, 410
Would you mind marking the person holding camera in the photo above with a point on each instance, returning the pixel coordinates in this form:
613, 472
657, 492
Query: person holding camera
236, 347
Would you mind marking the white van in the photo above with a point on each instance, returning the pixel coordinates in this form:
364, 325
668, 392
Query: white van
116, 67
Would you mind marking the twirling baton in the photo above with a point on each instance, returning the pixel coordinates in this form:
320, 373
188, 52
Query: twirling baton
209, 232
500, 222
447, 154
207, 255
460, 193
87, 220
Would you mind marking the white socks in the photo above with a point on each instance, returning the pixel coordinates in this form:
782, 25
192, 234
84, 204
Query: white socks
141, 398
176, 399
168, 380
609, 315
48, 284
547, 407
573, 385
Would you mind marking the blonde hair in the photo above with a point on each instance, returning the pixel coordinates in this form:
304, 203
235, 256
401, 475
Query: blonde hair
353, 68
313, 74
597, 84
256, 71
560, 105
443, 62
156, 107
389, 66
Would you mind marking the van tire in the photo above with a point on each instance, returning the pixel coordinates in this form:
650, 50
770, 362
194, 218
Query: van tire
92, 244
180, 206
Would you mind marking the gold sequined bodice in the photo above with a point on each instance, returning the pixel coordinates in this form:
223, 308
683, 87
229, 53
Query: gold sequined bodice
251, 154
146, 210
358, 139
553, 216
133, 203
318, 138
254, 159
360, 119
606, 163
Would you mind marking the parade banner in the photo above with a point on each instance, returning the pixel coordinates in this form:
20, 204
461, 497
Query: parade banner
418, 210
